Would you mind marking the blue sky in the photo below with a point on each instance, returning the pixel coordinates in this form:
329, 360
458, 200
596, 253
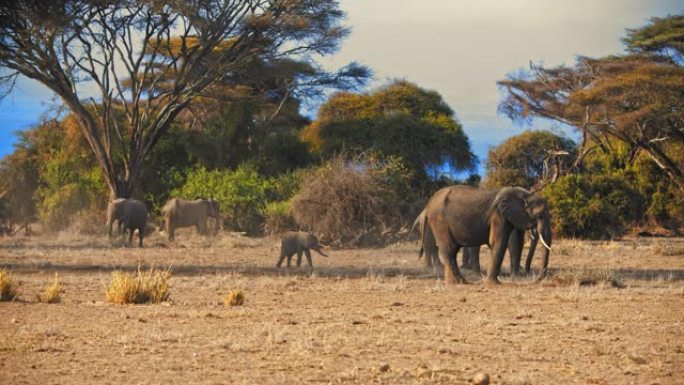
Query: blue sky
459, 48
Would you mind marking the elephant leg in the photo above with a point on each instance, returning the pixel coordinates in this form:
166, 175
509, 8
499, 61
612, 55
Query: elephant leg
428, 256
447, 255
498, 238
131, 230
280, 260
515, 247
307, 252
171, 229
141, 235
437, 266
530, 253
474, 259
299, 258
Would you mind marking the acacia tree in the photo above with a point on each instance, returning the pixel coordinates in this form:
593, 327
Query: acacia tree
149, 59
636, 99
530, 159
399, 119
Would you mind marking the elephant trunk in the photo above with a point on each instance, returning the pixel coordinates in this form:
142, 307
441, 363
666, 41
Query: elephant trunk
544, 232
530, 252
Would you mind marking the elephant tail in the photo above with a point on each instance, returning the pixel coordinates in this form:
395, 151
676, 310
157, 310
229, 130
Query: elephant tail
423, 228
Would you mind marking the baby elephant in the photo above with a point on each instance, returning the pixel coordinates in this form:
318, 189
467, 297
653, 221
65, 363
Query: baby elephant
298, 242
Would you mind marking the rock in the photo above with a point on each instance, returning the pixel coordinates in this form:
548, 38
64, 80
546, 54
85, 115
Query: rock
481, 379
384, 367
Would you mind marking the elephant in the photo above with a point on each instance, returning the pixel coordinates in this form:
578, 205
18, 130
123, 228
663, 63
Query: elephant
298, 242
463, 216
184, 213
131, 215
471, 255
516, 242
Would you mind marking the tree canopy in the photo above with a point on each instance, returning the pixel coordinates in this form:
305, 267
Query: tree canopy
400, 119
637, 99
529, 159
149, 60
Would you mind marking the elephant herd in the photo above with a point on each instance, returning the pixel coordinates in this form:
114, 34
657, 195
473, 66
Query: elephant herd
454, 218
131, 215
466, 217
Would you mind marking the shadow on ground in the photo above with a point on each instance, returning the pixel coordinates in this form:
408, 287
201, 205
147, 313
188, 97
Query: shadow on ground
323, 272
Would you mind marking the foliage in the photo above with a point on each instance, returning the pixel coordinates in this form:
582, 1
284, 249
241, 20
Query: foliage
245, 196
235, 298
142, 287
662, 36
355, 202
18, 184
278, 218
52, 292
401, 120
592, 206
150, 60
69, 179
635, 99
8, 290
524, 159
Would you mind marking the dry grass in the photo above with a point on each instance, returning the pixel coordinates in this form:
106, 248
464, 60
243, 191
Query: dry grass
586, 277
365, 316
142, 287
8, 290
235, 298
52, 292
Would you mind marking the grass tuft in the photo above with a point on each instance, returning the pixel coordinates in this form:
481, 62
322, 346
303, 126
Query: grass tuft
8, 291
586, 277
142, 287
235, 298
52, 292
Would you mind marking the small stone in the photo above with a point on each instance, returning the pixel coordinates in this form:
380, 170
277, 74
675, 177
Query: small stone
481, 379
384, 367
13, 320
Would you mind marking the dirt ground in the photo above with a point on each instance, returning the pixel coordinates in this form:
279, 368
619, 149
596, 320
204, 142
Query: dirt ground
368, 316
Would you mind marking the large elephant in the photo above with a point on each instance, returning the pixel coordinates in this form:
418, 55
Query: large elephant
184, 213
131, 215
464, 216
471, 255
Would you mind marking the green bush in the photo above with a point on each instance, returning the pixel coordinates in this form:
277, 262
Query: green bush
249, 201
592, 206
278, 218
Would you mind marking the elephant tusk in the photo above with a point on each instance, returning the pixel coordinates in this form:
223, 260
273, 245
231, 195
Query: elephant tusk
544, 242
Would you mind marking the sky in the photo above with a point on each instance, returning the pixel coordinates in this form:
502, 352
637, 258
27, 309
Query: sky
459, 48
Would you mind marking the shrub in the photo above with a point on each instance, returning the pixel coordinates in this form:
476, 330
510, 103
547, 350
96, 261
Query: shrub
354, 202
142, 287
235, 298
52, 292
242, 194
7, 288
591, 206
278, 218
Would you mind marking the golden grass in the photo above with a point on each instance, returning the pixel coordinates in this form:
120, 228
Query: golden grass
52, 292
586, 277
235, 298
8, 290
142, 287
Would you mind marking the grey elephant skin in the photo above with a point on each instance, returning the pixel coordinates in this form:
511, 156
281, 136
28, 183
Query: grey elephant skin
297, 243
131, 215
186, 213
464, 216
471, 255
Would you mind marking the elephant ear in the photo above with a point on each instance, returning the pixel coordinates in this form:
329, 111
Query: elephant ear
512, 205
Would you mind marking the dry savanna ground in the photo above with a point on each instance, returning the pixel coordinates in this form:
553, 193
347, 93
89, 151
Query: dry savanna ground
361, 316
